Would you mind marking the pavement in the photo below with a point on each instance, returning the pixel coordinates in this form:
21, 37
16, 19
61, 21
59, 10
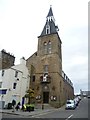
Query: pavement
31, 113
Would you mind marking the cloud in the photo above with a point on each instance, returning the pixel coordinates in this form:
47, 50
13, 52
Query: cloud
75, 56
82, 86
22, 21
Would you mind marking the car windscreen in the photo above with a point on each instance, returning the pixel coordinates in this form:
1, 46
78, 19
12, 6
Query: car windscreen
68, 102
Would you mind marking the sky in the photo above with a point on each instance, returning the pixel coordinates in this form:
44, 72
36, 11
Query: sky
22, 21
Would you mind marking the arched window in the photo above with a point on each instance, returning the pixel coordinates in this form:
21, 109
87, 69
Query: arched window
45, 68
49, 47
47, 29
45, 47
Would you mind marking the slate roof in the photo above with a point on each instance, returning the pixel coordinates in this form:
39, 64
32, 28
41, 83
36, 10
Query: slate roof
51, 23
52, 28
50, 13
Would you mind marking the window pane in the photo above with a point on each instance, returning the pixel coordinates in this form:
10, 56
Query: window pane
16, 73
47, 29
45, 68
2, 72
14, 85
33, 78
49, 47
45, 48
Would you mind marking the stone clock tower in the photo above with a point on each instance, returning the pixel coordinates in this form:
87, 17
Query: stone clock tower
45, 67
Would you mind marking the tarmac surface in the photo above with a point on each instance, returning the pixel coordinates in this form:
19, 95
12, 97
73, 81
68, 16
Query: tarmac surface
36, 111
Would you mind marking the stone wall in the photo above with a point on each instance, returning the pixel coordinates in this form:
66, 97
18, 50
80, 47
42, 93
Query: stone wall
59, 89
6, 60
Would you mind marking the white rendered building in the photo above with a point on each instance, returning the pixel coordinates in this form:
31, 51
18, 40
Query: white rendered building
14, 82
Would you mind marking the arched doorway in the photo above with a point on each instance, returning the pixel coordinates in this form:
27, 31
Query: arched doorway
45, 97
45, 94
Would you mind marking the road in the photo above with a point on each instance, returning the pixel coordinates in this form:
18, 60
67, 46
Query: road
80, 112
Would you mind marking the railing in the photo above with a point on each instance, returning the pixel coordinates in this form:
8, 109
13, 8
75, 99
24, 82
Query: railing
66, 78
45, 79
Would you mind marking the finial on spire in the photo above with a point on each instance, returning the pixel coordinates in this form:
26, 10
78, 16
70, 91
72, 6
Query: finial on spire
50, 13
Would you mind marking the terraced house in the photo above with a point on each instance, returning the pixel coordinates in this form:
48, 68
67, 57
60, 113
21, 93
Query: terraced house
50, 84
14, 80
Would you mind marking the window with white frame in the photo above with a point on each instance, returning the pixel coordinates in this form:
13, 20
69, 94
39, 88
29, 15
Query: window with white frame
14, 85
47, 29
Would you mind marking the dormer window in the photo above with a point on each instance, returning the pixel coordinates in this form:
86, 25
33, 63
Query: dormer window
47, 29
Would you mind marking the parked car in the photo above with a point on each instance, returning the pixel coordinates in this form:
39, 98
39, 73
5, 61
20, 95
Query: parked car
79, 98
76, 101
88, 96
70, 104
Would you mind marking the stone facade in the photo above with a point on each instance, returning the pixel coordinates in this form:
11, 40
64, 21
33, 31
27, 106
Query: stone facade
50, 84
6, 60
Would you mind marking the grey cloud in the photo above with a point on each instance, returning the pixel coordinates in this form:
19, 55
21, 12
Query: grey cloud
75, 47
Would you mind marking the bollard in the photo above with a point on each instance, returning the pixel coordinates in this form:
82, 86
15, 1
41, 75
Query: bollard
13, 109
42, 106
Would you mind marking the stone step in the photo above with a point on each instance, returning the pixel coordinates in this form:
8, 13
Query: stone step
46, 106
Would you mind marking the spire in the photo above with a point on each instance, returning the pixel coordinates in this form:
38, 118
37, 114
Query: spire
50, 13
50, 27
